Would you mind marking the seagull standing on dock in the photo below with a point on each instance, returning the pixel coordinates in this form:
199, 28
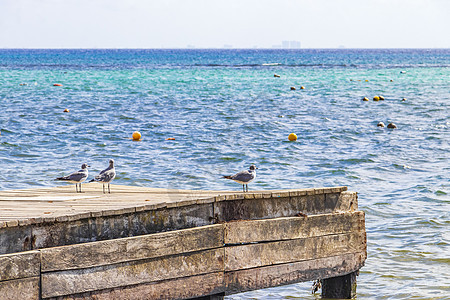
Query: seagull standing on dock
244, 177
77, 177
106, 176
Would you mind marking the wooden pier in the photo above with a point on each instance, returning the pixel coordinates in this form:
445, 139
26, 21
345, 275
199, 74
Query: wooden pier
144, 243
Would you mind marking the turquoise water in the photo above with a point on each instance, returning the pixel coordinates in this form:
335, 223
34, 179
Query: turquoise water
226, 111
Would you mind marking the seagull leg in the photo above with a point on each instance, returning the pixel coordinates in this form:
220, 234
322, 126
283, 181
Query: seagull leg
243, 188
103, 187
80, 188
76, 187
109, 190
246, 185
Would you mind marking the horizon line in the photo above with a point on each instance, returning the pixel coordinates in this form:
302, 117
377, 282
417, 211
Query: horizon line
223, 48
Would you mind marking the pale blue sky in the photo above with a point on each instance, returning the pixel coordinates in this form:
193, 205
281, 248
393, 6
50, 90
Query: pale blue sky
213, 24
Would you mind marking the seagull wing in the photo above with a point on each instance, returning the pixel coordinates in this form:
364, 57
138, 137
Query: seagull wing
106, 175
77, 176
243, 176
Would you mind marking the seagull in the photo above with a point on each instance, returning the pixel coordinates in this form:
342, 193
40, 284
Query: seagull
76, 177
244, 177
106, 176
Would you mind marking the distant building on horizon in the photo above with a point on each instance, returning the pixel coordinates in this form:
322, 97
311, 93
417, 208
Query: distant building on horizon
288, 45
294, 44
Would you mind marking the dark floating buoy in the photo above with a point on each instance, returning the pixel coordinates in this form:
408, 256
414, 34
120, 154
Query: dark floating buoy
23, 84
302, 87
293, 88
392, 126
402, 72
392, 80
381, 124
57, 84
276, 75
404, 99
381, 97
365, 99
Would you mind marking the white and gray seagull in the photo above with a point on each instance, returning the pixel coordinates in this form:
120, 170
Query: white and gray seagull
106, 176
77, 177
244, 177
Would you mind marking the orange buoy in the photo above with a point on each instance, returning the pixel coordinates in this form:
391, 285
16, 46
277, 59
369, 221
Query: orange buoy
66, 110
136, 136
292, 137
170, 139
302, 87
57, 84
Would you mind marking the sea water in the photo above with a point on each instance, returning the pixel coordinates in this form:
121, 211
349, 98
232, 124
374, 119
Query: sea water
226, 111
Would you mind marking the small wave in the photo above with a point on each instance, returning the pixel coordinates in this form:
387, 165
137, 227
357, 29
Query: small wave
356, 160
401, 167
6, 131
230, 159
9, 144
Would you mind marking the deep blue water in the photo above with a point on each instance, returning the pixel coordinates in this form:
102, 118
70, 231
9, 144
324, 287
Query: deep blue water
226, 111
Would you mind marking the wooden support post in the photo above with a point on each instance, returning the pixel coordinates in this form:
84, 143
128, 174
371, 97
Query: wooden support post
211, 297
341, 287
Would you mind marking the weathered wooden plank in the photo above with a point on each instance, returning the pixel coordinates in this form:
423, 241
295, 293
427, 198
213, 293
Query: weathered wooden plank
51, 234
292, 227
23, 289
263, 254
270, 276
275, 207
55, 233
347, 201
179, 288
98, 278
19, 265
175, 218
15, 239
132, 248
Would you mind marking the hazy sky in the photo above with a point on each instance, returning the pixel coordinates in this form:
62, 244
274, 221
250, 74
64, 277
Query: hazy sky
212, 24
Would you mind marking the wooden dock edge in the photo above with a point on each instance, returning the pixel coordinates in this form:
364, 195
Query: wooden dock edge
229, 257
38, 233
